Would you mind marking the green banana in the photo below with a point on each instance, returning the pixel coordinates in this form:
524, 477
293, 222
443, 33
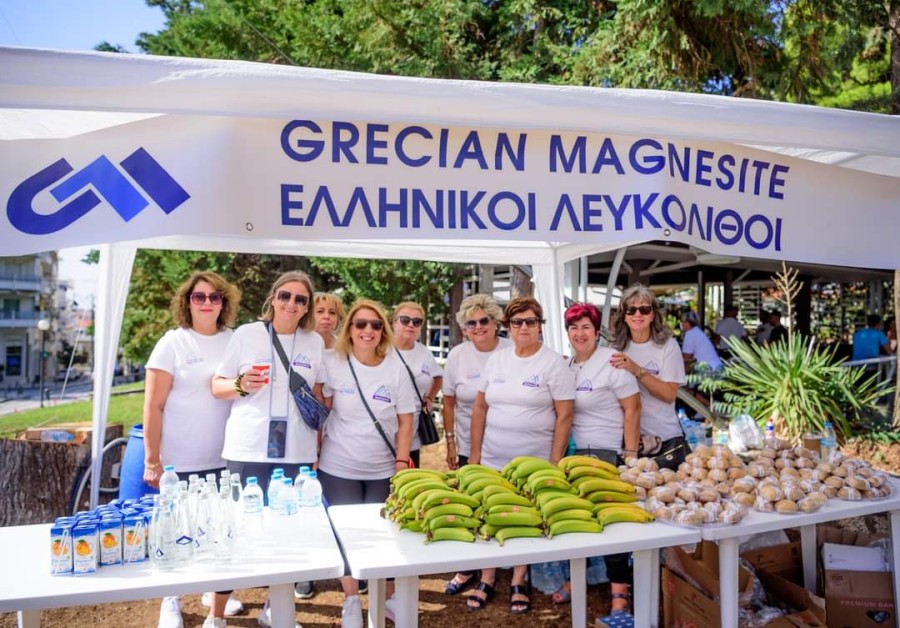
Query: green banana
482, 482
487, 531
494, 489
605, 505
576, 514
592, 472
609, 516
401, 478
527, 467
450, 534
409, 491
510, 508
435, 498
566, 503
515, 499
446, 509
514, 519
467, 479
552, 484
547, 473
510, 466
610, 496
412, 526
515, 532
597, 484
475, 468
407, 514
586, 461
568, 526
545, 497
453, 521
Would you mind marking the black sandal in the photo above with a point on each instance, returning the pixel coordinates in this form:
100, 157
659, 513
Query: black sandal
454, 586
519, 607
621, 596
475, 603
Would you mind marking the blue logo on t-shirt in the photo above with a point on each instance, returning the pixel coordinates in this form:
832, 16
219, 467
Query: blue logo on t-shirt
474, 374
652, 367
533, 382
302, 360
584, 386
382, 394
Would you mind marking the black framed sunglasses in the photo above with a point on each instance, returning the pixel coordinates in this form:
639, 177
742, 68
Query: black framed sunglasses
214, 298
409, 320
484, 321
631, 310
531, 321
300, 299
362, 323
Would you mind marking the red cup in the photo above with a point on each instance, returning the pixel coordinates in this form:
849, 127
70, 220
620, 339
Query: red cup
263, 371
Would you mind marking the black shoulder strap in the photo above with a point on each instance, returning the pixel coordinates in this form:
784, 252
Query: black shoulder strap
369, 410
291, 373
411, 377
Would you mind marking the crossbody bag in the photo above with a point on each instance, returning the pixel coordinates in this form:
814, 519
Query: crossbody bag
428, 434
377, 423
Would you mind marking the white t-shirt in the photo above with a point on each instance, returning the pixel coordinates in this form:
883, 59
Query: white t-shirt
698, 344
247, 434
193, 421
425, 368
728, 327
352, 447
599, 420
520, 392
462, 375
667, 364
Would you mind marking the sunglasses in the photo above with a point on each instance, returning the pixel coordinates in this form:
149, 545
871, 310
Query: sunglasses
408, 320
362, 323
631, 310
214, 298
531, 321
484, 322
284, 296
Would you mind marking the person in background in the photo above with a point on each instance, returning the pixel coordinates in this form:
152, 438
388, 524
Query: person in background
479, 319
761, 336
179, 373
253, 376
871, 341
523, 407
426, 373
890, 326
367, 387
727, 328
696, 347
328, 310
779, 332
646, 349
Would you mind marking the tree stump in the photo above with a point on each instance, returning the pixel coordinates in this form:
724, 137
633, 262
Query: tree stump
39, 477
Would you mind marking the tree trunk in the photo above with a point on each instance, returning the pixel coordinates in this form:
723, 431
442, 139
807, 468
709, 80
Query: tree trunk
520, 284
893, 7
456, 297
40, 477
897, 370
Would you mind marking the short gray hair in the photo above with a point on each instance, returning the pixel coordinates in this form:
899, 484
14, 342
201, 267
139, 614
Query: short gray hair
478, 302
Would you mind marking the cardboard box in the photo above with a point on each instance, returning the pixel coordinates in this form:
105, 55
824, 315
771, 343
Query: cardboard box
701, 567
857, 599
81, 432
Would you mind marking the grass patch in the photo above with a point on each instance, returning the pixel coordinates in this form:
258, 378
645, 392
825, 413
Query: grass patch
126, 410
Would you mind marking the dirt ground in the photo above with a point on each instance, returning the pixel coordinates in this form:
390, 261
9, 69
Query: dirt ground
436, 610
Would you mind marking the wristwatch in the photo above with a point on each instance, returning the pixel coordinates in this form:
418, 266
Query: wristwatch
641, 372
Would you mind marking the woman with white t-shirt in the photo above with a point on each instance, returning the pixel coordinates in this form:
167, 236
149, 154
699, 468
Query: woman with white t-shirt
479, 319
523, 407
426, 374
179, 372
329, 312
369, 431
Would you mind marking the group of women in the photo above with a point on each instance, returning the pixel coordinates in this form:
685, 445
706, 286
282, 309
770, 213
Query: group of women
213, 394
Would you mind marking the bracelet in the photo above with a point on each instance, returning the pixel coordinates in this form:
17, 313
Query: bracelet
406, 462
237, 386
450, 435
152, 465
641, 372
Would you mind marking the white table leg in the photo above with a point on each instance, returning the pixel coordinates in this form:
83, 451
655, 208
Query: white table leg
376, 603
646, 581
407, 596
808, 551
29, 619
728, 581
281, 605
578, 575
895, 550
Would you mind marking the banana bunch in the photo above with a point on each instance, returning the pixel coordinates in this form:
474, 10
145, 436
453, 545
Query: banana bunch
596, 480
608, 513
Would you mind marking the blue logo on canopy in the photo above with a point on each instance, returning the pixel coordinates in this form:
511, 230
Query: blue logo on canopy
106, 180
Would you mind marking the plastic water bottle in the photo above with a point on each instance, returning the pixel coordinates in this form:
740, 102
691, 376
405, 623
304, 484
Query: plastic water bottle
770, 433
168, 482
828, 442
252, 507
312, 491
298, 483
682, 415
274, 489
56, 436
288, 501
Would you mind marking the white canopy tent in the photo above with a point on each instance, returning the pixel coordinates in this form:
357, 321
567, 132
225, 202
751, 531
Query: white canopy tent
243, 157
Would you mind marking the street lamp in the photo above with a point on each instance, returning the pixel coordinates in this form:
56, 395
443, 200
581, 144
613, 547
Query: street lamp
44, 326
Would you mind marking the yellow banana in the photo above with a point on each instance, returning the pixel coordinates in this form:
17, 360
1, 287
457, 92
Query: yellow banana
575, 514
450, 534
513, 519
566, 503
446, 509
453, 521
545, 497
547, 473
435, 498
490, 501
510, 508
516, 532
608, 516
605, 505
569, 526
592, 472
586, 461
596, 484
609, 496
527, 467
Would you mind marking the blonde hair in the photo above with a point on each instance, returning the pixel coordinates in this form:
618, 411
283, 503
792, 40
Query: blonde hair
412, 305
479, 302
334, 301
231, 299
344, 344
307, 322
635, 295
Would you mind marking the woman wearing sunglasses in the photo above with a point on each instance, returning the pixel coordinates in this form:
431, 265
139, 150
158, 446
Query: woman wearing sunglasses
646, 349
265, 429
179, 372
369, 431
523, 407
426, 373
479, 319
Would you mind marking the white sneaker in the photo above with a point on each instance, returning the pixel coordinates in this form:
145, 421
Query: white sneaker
214, 622
351, 613
389, 607
170, 613
265, 617
232, 607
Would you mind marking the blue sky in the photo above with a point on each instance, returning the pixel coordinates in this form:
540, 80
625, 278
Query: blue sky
76, 25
